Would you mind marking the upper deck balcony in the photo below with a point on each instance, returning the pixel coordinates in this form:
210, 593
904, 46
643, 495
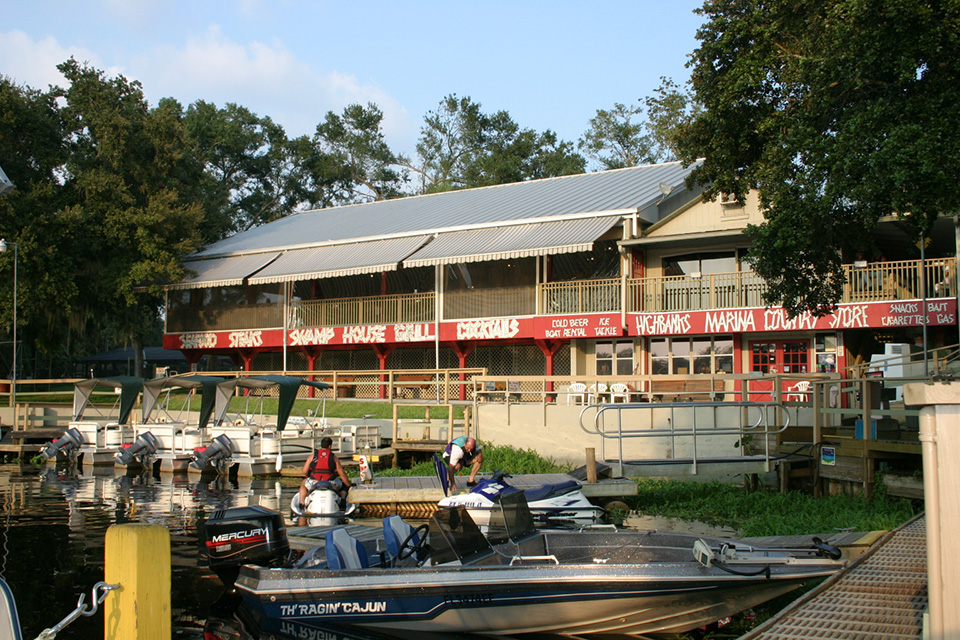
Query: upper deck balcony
866, 282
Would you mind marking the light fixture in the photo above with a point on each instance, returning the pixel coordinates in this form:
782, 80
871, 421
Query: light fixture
13, 377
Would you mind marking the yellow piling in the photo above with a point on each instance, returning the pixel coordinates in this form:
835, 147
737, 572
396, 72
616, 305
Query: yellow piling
137, 557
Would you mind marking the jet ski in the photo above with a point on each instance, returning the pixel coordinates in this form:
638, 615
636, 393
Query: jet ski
562, 503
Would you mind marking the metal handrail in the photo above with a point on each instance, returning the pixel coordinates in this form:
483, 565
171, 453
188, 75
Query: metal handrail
761, 425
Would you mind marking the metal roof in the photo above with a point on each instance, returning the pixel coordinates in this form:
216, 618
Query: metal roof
633, 188
513, 241
331, 261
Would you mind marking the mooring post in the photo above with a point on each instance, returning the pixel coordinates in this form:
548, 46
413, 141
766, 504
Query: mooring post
591, 465
137, 557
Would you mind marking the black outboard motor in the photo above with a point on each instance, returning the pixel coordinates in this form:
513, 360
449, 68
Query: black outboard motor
69, 443
146, 444
243, 535
220, 448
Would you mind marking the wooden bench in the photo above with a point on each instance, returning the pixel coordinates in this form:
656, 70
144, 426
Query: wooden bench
408, 380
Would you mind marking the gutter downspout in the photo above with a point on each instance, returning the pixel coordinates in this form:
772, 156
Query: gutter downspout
437, 283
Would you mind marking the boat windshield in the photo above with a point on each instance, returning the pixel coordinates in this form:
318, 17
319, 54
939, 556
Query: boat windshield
455, 536
510, 518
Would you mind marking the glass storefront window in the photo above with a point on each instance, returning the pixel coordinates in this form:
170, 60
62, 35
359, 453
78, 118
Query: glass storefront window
706, 355
614, 357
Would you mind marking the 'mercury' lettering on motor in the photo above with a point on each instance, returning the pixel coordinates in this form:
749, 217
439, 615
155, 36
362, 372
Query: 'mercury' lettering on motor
244, 536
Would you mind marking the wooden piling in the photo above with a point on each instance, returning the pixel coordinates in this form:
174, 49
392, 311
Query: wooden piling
591, 465
137, 557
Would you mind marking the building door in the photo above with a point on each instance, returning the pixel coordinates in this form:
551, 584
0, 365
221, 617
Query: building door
776, 356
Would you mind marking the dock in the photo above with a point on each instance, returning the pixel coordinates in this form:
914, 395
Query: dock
882, 594
417, 496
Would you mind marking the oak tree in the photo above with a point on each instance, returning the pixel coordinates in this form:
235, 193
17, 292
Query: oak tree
837, 112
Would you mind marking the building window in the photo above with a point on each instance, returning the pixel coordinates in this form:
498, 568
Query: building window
697, 264
699, 354
615, 358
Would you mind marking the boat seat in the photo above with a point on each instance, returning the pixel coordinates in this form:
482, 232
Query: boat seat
550, 490
344, 551
395, 531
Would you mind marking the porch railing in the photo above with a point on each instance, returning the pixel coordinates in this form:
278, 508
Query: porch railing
585, 296
866, 282
339, 312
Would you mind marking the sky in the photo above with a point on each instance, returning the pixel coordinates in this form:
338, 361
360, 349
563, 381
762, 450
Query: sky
550, 63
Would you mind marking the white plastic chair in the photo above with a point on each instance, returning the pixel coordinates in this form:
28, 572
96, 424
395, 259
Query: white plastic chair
798, 392
619, 390
596, 392
577, 390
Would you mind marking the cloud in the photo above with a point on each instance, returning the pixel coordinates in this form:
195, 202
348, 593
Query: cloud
264, 77
34, 62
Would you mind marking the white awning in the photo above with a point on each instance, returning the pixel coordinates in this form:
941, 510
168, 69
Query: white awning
223, 272
513, 241
332, 261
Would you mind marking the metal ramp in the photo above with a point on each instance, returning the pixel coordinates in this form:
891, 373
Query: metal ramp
681, 467
696, 438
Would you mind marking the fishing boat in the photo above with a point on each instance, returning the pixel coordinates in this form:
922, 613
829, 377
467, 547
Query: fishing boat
165, 439
93, 440
249, 442
448, 577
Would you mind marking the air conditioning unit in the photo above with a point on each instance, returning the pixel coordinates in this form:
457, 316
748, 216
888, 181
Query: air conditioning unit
895, 362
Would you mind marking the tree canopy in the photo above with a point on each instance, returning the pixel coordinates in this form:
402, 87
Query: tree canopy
837, 112
462, 147
630, 136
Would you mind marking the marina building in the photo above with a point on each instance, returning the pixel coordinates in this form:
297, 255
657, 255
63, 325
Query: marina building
628, 272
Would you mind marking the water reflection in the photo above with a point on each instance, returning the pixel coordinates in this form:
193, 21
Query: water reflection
53, 525
52, 531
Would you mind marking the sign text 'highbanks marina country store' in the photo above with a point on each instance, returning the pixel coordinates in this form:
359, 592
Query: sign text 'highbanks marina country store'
583, 326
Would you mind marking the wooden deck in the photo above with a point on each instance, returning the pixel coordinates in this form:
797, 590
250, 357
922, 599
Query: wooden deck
417, 496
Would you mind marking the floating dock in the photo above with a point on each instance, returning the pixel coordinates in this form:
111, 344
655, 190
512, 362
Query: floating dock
883, 594
417, 497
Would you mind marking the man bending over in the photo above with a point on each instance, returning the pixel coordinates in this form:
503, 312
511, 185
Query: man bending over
463, 452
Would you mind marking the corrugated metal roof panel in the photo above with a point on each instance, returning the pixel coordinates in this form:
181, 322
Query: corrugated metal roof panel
513, 241
631, 188
224, 272
333, 261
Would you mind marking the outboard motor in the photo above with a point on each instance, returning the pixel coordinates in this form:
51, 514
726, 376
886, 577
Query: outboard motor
220, 448
243, 535
70, 442
146, 444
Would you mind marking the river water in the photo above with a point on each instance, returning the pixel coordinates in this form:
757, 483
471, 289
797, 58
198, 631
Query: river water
53, 525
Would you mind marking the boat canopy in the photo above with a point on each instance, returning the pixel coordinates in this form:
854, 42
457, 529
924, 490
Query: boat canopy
287, 388
129, 387
208, 393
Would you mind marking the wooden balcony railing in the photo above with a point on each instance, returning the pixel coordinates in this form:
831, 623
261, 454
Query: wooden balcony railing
585, 296
866, 282
688, 293
343, 312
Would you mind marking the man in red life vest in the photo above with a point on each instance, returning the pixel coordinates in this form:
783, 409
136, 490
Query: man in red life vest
324, 466
462, 452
